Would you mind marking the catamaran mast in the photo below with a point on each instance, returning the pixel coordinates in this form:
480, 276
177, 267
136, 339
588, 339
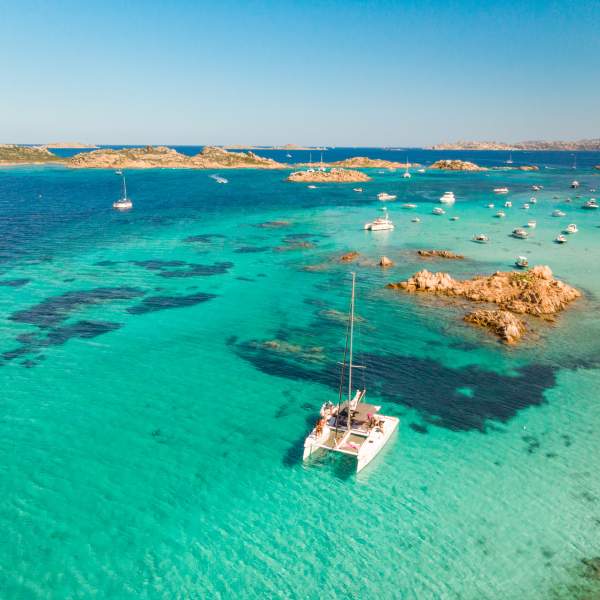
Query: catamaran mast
124, 187
349, 419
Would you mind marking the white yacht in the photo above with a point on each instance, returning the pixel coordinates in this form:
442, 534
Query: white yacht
501, 190
123, 203
560, 239
312, 187
533, 200
575, 184
357, 190
420, 170
409, 205
537, 188
590, 204
520, 233
438, 211
525, 206
448, 198
500, 214
508, 204
350, 426
384, 197
481, 238
490, 205
380, 223
558, 213
531, 224
416, 220
521, 262
571, 228
219, 179
454, 218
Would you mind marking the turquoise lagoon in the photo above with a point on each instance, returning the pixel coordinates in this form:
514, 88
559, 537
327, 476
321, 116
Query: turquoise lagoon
150, 440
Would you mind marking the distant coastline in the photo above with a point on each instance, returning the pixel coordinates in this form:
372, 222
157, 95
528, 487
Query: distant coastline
285, 147
581, 145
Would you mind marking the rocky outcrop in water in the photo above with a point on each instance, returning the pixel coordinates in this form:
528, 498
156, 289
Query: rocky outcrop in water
349, 257
534, 292
332, 176
384, 261
439, 254
12, 154
162, 157
456, 165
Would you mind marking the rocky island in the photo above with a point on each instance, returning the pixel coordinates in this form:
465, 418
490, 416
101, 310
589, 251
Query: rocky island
591, 144
534, 292
448, 254
153, 157
364, 162
456, 165
13, 154
68, 145
331, 176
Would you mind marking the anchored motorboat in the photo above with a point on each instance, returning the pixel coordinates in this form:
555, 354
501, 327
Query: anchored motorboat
481, 238
124, 203
560, 239
448, 198
384, 197
454, 218
501, 190
590, 204
575, 184
438, 211
416, 220
490, 205
508, 204
381, 223
558, 213
533, 200
351, 426
571, 228
537, 188
409, 205
531, 224
521, 262
219, 179
500, 214
357, 189
525, 206
520, 233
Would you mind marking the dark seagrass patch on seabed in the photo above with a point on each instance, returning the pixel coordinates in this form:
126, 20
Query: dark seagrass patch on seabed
429, 387
251, 249
156, 303
203, 238
14, 282
181, 269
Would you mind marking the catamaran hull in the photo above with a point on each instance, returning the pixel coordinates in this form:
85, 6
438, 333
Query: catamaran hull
370, 449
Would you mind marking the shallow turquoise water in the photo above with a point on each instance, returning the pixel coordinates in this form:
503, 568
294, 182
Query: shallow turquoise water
150, 441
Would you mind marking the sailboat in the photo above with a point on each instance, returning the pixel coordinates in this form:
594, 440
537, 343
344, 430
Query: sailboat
351, 426
406, 174
510, 160
124, 203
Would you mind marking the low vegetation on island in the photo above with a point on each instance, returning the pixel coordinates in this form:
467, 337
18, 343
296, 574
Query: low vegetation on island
534, 293
456, 165
590, 145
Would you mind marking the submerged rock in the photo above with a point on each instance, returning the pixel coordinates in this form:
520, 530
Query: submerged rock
439, 254
349, 257
534, 292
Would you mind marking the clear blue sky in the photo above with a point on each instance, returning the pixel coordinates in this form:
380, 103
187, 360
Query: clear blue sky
334, 72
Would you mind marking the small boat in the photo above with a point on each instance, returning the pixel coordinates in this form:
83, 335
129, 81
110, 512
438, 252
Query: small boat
571, 228
560, 239
531, 224
574, 184
508, 204
351, 427
380, 224
384, 197
558, 213
536, 188
500, 214
357, 189
409, 205
448, 198
520, 233
219, 179
525, 206
406, 174
123, 203
312, 187
420, 170
532, 200
521, 262
454, 218
438, 211
501, 190
591, 204
510, 160
481, 238
416, 220
288, 155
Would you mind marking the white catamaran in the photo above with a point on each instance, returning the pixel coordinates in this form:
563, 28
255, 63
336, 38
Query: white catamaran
124, 203
351, 426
